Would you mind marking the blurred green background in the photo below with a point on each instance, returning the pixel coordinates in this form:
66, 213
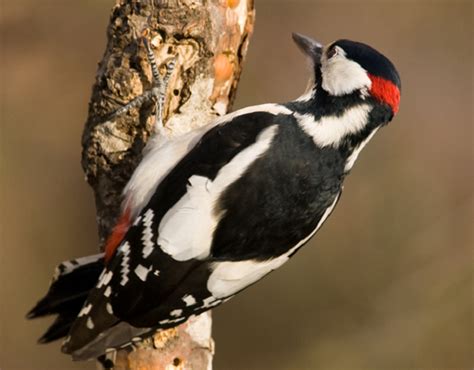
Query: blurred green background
386, 284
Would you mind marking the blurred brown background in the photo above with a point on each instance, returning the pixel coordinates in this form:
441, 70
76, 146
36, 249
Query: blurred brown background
387, 283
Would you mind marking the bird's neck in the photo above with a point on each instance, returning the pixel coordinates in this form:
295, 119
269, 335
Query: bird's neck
345, 122
334, 120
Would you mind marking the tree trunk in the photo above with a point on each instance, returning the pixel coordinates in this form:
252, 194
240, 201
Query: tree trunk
209, 40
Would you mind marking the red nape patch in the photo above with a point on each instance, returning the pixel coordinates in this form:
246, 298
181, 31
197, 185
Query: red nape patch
385, 91
117, 235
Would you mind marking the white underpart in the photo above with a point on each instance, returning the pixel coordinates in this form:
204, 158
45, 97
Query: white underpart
125, 268
355, 153
147, 233
162, 153
330, 130
228, 278
342, 76
186, 230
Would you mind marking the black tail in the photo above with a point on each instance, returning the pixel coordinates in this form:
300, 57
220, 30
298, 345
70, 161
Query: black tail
69, 289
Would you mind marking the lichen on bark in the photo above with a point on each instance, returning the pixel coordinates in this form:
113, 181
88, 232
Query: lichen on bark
209, 40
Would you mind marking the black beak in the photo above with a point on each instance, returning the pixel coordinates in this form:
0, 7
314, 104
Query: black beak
310, 47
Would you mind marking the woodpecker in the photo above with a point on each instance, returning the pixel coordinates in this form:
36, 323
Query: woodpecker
211, 212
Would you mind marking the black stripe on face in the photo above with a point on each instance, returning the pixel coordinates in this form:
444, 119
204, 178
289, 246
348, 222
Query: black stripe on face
324, 104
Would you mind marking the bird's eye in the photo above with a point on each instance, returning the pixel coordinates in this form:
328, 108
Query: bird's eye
331, 52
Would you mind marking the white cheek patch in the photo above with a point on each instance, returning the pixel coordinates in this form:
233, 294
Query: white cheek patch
342, 76
228, 278
186, 230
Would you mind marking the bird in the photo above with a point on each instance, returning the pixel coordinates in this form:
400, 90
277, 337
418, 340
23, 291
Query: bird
211, 212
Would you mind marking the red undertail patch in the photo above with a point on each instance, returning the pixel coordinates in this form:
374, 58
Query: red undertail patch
385, 91
116, 237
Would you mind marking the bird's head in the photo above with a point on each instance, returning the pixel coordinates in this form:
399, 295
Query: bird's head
352, 69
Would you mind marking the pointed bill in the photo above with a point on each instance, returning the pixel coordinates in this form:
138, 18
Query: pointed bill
308, 46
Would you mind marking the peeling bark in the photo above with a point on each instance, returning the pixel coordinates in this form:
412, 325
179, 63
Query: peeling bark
209, 40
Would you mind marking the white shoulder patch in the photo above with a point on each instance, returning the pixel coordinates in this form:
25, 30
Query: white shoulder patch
228, 278
163, 153
330, 130
186, 230
159, 158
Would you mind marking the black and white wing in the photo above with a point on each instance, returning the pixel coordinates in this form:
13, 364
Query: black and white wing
212, 228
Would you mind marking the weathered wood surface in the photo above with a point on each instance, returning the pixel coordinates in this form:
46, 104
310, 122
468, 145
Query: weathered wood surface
209, 41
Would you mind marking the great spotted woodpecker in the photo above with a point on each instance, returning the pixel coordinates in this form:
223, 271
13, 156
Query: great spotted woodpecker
209, 213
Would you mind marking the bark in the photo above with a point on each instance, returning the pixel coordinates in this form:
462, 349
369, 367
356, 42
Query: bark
209, 40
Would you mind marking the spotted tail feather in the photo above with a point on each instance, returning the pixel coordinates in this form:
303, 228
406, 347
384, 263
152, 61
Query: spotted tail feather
66, 295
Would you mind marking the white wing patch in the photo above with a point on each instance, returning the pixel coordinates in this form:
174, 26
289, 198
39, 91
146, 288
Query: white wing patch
186, 230
124, 249
163, 153
160, 156
89, 323
147, 233
105, 278
85, 310
228, 278
176, 313
189, 300
109, 309
142, 272
108, 291
330, 130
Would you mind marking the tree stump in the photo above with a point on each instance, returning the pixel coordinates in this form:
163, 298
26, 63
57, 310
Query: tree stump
208, 40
